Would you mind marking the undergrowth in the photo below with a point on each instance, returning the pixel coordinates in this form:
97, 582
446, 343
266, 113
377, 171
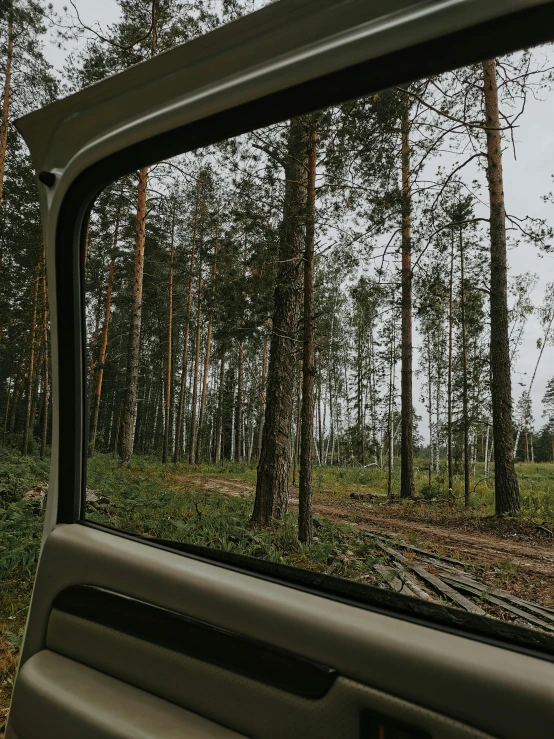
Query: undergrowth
147, 505
20, 535
148, 498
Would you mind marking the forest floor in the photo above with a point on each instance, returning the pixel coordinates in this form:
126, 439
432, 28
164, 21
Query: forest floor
429, 547
515, 554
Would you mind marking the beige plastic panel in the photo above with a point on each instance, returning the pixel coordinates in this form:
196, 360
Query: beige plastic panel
57, 697
249, 707
496, 690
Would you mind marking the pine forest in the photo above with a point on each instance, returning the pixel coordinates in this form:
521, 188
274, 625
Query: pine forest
336, 320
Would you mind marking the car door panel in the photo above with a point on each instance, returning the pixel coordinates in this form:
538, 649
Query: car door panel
60, 697
417, 674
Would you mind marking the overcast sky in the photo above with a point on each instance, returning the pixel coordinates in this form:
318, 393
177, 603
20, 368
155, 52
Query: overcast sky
527, 179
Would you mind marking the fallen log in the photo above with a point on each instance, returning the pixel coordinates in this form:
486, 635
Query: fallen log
411, 548
500, 594
438, 584
487, 597
390, 576
414, 585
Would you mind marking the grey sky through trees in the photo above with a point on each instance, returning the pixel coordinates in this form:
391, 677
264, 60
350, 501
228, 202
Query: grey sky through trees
528, 177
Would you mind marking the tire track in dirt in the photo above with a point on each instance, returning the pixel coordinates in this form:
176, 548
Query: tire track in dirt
483, 548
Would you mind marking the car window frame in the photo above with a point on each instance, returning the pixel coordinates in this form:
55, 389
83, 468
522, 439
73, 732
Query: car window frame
512, 32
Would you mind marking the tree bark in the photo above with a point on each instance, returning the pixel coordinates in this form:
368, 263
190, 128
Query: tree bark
449, 378
46, 380
219, 435
169, 351
206, 363
407, 483
261, 399
273, 466
430, 394
103, 342
305, 520
126, 434
320, 420
4, 118
390, 420
238, 405
296, 454
507, 499
179, 429
129, 410
465, 408
193, 430
27, 427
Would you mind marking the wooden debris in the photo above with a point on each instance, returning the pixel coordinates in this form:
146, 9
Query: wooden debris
486, 596
390, 577
448, 591
439, 585
414, 585
409, 547
511, 600
452, 580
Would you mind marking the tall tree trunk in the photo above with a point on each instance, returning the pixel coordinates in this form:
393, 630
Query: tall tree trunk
45, 378
486, 455
18, 382
240, 380
359, 394
465, 409
261, 400
179, 429
193, 434
103, 341
305, 520
169, 352
296, 454
319, 413
390, 420
238, 406
430, 394
126, 433
4, 119
219, 435
27, 427
93, 345
506, 487
438, 403
273, 466
449, 378
206, 362
129, 410
407, 483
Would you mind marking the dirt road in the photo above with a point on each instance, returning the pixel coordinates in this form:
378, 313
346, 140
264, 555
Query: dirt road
517, 555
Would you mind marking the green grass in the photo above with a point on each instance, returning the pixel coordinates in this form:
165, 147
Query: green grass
20, 535
146, 498
166, 502
536, 482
